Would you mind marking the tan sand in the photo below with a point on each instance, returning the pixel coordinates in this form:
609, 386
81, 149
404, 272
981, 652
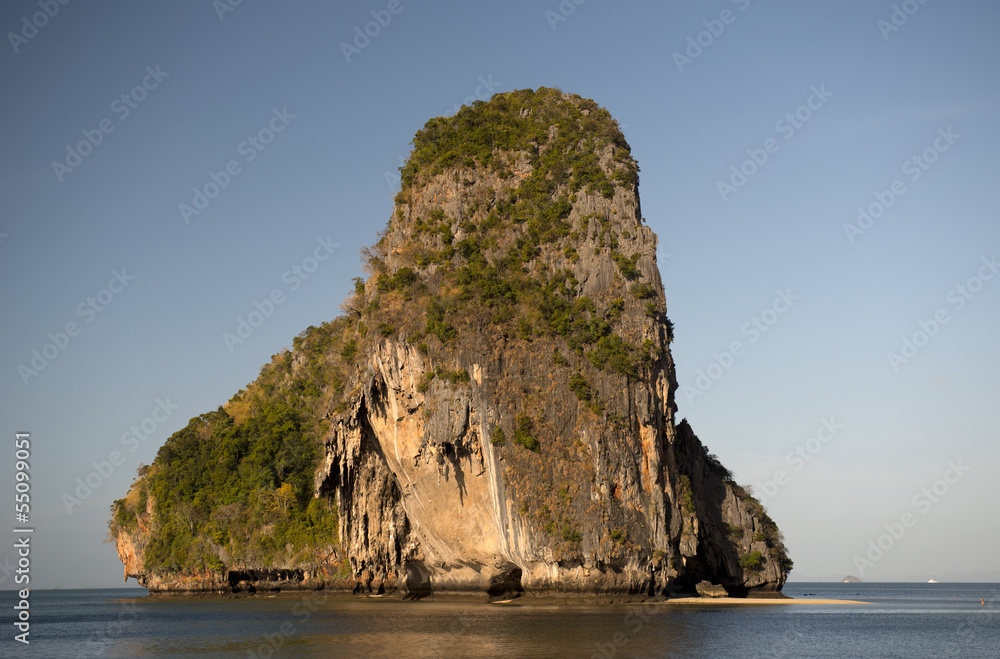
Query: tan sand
751, 600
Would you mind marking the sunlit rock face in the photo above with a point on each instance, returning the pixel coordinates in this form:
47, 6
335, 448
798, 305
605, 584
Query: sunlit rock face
611, 495
495, 412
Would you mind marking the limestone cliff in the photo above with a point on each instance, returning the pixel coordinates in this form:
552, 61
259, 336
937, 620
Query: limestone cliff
495, 413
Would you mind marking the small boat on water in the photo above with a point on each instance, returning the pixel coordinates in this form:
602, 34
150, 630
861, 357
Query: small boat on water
932, 581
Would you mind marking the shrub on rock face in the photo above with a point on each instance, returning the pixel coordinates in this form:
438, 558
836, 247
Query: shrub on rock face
513, 254
752, 562
522, 433
578, 385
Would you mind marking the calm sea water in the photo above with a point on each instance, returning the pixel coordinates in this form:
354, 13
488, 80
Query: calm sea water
900, 620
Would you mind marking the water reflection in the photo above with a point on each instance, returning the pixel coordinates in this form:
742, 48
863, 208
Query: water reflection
898, 622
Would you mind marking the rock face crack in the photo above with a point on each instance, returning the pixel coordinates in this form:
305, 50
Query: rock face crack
621, 500
498, 414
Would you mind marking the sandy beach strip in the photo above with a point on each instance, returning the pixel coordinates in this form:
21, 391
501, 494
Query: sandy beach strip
752, 600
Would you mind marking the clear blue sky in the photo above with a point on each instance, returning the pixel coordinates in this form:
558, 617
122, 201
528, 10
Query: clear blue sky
879, 97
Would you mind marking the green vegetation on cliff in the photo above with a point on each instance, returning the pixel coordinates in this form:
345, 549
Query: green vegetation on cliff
769, 534
544, 189
507, 264
481, 134
234, 488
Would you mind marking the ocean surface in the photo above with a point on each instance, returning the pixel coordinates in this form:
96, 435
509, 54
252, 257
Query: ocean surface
898, 620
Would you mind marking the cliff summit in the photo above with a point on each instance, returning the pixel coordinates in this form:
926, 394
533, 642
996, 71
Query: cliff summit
493, 413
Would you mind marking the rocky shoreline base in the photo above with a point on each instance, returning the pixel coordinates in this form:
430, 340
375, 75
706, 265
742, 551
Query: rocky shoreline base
527, 599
